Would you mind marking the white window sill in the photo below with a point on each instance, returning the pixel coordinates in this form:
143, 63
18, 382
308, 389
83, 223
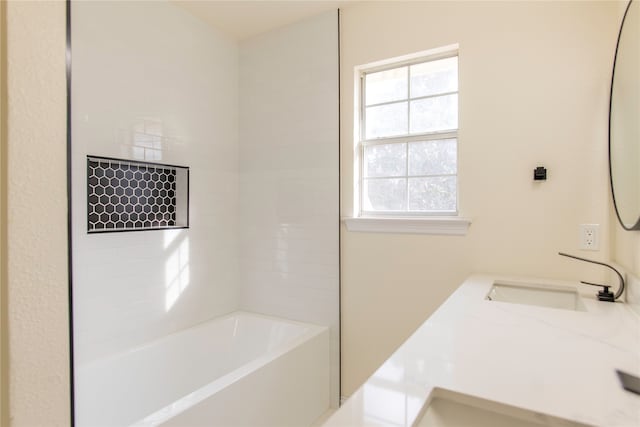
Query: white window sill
453, 226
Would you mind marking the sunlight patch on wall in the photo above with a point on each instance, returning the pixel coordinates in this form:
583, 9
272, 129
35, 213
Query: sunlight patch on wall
176, 273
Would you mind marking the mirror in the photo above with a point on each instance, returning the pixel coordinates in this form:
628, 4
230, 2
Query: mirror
624, 126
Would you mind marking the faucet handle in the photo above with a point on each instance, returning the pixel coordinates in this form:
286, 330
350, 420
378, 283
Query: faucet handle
603, 295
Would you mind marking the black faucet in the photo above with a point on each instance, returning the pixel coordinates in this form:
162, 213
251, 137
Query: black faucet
605, 294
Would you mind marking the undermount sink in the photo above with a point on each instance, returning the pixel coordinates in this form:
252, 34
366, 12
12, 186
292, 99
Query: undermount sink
565, 298
450, 409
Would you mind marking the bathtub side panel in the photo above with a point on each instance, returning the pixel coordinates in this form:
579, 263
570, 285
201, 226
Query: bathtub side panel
155, 374
292, 390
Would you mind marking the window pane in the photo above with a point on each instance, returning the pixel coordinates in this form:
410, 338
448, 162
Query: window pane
386, 120
434, 77
385, 160
434, 114
433, 157
386, 86
384, 194
432, 194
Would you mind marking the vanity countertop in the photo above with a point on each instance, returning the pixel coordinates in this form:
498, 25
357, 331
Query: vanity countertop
552, 361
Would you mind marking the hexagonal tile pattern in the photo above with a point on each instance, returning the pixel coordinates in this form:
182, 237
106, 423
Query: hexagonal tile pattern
124, 195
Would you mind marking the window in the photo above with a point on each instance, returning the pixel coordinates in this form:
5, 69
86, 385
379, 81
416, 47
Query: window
408, 143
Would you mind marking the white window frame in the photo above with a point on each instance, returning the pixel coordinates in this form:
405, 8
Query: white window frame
430, 222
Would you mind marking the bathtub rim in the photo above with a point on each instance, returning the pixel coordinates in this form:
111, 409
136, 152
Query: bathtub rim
195, 326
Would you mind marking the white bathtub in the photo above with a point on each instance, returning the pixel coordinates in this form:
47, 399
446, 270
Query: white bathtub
238, 370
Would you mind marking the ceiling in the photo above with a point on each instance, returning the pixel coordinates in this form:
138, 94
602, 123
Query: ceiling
242, 19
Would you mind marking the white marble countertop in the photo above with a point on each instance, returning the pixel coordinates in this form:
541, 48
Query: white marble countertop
552, 361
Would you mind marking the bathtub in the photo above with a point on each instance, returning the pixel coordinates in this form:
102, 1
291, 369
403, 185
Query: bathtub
242, 369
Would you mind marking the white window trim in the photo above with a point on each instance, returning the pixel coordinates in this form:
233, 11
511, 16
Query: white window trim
449, 226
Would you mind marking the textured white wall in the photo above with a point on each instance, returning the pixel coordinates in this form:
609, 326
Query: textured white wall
37, 288
534, 90
141, 69
289, 175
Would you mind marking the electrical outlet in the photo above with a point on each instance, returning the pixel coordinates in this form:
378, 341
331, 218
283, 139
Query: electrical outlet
590, 237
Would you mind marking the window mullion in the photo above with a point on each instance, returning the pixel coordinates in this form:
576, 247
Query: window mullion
411, 138
408, 100
362, 136
360, 177
363, 107
406, 144
439, 175
406, 177
417, 98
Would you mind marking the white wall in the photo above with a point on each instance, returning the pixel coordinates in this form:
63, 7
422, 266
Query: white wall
289, 175
534, 90
36, 281
626, 253
140, 69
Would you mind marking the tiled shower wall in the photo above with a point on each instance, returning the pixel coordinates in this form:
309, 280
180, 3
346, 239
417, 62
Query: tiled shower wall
152, 83
289, 238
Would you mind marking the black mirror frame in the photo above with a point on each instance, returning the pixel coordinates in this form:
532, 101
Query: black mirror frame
636, 225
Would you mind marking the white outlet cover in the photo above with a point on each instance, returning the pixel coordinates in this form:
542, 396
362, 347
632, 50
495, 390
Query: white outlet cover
589, 239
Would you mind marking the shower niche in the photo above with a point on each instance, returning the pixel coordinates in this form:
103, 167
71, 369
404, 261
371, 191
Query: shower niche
124, 195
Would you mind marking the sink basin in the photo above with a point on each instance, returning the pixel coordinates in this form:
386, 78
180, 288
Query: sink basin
542, 295
450, 409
